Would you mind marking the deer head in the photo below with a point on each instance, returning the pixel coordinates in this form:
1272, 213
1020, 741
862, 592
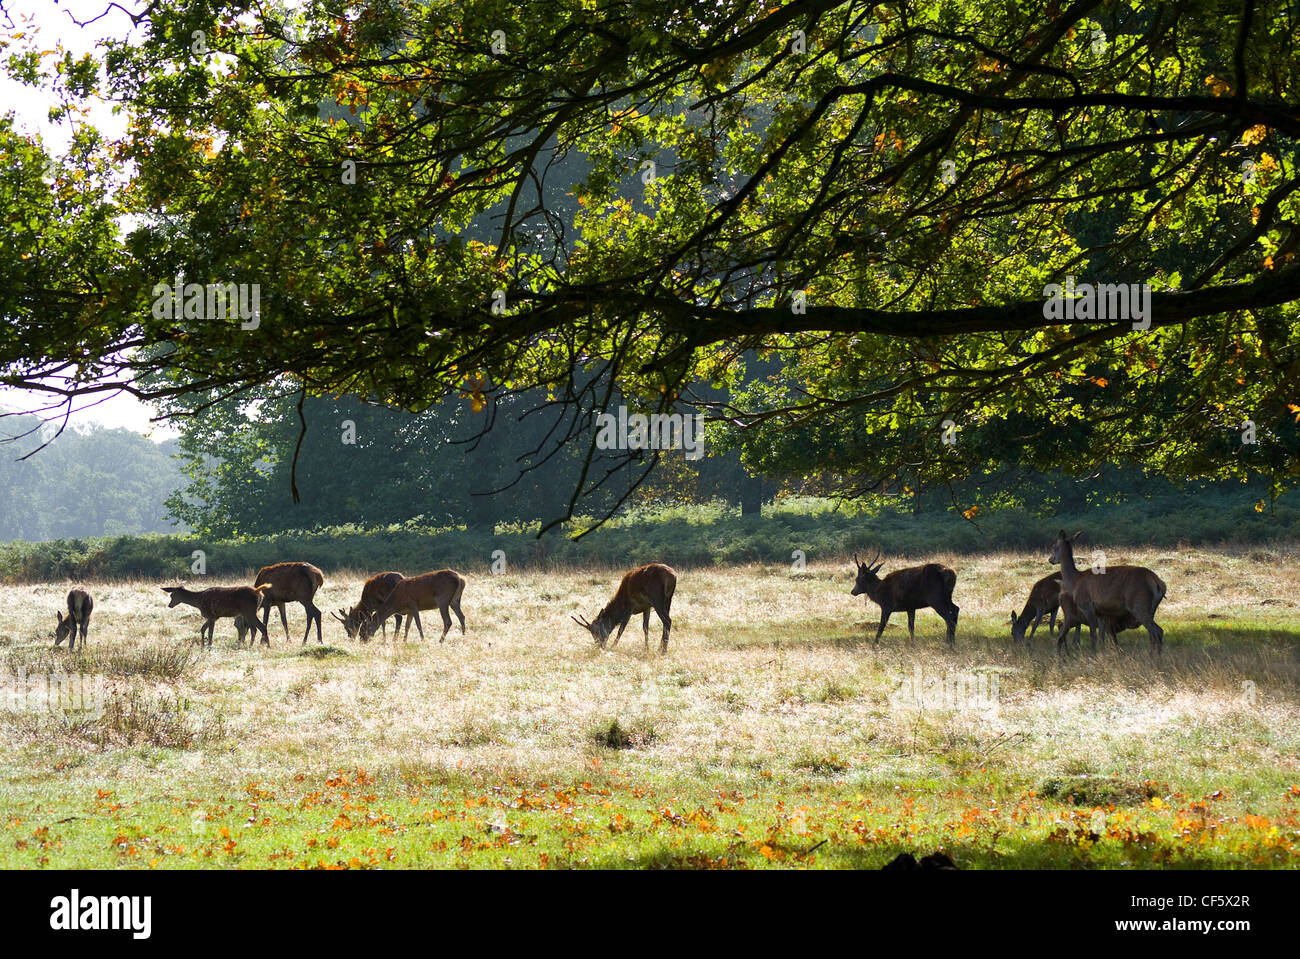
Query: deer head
1058, 546
867, 575
599, 629
350, 620
1017, 631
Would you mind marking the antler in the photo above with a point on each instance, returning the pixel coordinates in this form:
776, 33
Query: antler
584, 624
341, 619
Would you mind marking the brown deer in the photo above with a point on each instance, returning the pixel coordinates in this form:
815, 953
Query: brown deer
373, 593
1109, 600
439, 590
291, 583
80, 605
641, 590
1071, 618
919, 587
223, 602
1044, 600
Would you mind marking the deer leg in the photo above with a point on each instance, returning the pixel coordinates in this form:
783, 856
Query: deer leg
309, 608
1107, 633
1033, 627
418, 626
1051, 626
911, 624
455, 608
952, 623
446, 622
618, 635
668, 625
884, 618
645, 628
1153, 630
85, 628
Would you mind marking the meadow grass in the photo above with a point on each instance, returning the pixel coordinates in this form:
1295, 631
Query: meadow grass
774, 734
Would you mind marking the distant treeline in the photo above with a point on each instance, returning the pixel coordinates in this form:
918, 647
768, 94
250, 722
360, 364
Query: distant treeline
102, 482
689, 536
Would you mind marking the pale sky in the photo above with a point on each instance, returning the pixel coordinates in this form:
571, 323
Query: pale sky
49, 20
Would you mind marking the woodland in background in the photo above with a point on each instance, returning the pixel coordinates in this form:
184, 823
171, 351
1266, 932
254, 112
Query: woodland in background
100, 482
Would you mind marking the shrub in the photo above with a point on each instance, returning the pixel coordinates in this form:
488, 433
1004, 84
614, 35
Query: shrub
692, 535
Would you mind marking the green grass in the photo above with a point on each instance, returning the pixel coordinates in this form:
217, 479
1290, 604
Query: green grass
775, 734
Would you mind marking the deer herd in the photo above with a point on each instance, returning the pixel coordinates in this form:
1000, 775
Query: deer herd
1107, 600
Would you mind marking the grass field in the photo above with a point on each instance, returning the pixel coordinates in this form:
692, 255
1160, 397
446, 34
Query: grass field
774, 734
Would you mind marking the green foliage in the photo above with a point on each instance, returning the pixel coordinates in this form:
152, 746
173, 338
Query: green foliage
369, 465
1105, 142
713, 534
97, 483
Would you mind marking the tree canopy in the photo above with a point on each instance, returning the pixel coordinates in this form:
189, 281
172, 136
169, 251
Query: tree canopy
598, 203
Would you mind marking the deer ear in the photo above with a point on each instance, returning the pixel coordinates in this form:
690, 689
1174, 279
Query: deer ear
1078, 535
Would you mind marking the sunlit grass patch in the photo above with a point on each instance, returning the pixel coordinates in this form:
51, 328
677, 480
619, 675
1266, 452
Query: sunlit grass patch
775, 733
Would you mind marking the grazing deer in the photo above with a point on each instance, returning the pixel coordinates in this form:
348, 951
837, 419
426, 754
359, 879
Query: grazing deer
291, 583
80, 606
919, 587
643, 589
373, 593
440, 590
223, 602
1044, 600
1121, 597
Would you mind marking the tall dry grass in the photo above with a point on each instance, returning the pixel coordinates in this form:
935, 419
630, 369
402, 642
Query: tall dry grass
770, 671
